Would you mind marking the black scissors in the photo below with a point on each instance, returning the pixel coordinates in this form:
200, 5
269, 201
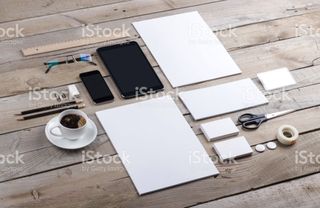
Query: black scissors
251, 121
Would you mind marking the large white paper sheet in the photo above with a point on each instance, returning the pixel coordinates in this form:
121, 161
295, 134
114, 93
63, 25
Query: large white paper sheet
156, 144
221, 99
186, 49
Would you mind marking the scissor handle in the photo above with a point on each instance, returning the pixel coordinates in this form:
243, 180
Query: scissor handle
251, 121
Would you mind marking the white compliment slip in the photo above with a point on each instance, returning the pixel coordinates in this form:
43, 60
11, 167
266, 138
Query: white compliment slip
221, 99
219, 129
156, 144
186, 49
232, 148
276, 79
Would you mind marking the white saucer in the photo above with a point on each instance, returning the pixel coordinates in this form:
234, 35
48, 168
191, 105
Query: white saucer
89, 136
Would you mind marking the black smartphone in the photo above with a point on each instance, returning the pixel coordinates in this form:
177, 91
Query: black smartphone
130, 69
96, 86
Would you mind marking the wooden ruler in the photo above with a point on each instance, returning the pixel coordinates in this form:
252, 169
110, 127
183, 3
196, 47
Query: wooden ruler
68, 44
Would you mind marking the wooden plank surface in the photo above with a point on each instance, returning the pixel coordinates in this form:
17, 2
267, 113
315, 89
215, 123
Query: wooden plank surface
260, 36
302, 192
22, 9
221, 18
113, 11
118, 190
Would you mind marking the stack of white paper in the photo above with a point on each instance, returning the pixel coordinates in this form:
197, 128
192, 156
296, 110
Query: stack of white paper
232, 148
219, 129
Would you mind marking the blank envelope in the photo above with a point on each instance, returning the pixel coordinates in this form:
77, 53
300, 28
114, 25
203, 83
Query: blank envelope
221, 99
156, 144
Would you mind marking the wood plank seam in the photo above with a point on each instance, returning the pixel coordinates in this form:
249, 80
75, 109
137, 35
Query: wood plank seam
257, 188
21, 19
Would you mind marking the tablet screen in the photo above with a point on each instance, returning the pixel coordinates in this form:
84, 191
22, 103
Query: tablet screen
130, 69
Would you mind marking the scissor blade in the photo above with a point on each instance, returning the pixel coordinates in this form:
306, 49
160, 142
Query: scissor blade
277, 114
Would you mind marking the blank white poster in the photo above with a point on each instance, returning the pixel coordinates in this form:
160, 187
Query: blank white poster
186, 49
156, 144
221, 99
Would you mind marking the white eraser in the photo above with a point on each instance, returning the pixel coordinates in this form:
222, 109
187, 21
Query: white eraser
276, 79
73, 91
219, 129
232, 148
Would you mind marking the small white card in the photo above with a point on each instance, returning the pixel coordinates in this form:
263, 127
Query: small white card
276, 79
219, 129
232, 148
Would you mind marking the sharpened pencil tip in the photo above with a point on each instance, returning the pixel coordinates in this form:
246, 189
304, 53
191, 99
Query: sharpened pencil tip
82, 106
79, 101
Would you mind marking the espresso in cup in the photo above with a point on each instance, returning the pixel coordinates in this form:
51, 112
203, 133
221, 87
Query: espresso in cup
72, 124
73, 121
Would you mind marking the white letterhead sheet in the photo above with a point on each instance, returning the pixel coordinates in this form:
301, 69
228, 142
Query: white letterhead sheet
186, 49
221, 99
156, 144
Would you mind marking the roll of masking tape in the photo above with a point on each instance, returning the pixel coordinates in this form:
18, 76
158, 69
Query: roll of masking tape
287, 135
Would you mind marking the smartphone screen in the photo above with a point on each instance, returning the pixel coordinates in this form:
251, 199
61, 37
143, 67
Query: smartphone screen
130, 69
96, 86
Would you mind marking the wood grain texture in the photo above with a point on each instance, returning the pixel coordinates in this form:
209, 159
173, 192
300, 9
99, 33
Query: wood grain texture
109, 12
32, 143
260, 36
31, 68
232, 38
225, 14
110, 188
288, 53
22, 9
67, 20
245, 58
303, 192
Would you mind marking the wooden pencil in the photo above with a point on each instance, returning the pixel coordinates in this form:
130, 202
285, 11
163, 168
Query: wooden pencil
46, 113
45, 108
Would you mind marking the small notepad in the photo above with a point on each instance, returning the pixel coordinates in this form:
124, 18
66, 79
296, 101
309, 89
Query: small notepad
232, 148
276, 79
219, 129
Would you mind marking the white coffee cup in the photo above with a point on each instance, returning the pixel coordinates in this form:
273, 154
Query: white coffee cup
70, 133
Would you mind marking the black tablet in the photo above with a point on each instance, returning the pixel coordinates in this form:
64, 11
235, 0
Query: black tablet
130, 69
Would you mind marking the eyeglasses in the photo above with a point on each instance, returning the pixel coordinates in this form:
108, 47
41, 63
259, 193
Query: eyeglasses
68, 60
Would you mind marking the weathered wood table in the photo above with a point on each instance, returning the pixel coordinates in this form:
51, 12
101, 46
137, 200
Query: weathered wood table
260, 36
